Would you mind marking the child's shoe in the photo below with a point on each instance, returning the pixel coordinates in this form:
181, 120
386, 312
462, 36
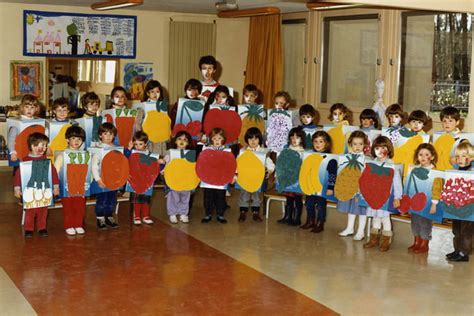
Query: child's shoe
80, 230
184, 219
173, 219
459, 257
347, 232
452, 254
28, 234
110, 221
206, 219
147, 220
137, 221
256, 217
374, 239
101, 223
386, 240
43, 233
71, 231
221, 220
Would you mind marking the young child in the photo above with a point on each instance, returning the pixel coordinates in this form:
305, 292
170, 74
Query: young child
254, 139
462, 230
339, 114
90, 103
192, 90
140, 203
307, 116
60, 110
321, 144
74, 207
119, 97
417, 121
29, 108
37, 143
357, 141
250, 94
220, 97
294, 201
369, 120
382, 151
214, 199
177, 202
281, 100
426, 157
106, 201
208, 67
450, 119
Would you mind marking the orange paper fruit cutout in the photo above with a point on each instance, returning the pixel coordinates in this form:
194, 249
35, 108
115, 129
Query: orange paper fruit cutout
21, 141
114, 170
250, 171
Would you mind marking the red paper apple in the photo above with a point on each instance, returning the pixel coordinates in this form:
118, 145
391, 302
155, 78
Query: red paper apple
228, 120
216, 167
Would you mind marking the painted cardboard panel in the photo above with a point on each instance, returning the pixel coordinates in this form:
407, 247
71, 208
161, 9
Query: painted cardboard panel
445, 145
250, 170
314, 173
189, 117
457, 197
287, 169
124, 121
154, 120
56, 132
278, 127
418, 190
144, 169
91, 126
102, 152
36, 183
214, 167
22, 128
252, 115
76, 169
339, 136
207, 90
180, 171
350, 167
227, 119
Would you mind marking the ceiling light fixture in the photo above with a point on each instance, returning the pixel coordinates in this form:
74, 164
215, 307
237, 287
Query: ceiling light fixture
115, 4
248, 12
227, 5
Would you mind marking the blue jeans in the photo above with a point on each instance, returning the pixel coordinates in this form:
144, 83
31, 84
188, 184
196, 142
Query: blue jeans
314, 202
105, 204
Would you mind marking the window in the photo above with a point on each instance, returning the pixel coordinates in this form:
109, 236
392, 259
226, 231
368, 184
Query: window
435, 61
97, 71
349, 59
294, 32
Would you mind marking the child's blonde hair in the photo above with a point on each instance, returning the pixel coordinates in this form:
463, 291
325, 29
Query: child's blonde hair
464, 146
29, 99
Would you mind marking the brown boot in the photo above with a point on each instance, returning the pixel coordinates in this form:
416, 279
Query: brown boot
423, 246
319, 227
243, 214
386, 240
416, 243
309, 223
374, 238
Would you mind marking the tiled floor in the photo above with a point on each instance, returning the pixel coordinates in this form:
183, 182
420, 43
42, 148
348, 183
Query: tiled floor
254, 268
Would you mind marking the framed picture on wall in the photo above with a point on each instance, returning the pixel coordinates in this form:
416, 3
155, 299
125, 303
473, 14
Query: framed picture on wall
25, 78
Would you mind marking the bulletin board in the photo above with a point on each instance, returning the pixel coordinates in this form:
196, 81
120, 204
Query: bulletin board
79, 35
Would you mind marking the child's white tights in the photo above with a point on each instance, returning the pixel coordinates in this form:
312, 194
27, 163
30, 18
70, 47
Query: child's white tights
378, 222
349, 230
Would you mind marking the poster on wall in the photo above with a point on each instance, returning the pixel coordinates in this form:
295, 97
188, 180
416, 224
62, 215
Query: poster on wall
79, 35
135, 77
25, 78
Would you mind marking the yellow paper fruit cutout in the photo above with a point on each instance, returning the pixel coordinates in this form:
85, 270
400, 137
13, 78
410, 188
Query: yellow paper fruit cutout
309, 175
158, 126
250, 171
347, 182
59, 142
443, 146
180, 175
338, 140
404, 154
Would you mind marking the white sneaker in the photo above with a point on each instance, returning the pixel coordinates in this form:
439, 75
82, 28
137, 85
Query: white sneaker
71, 231
79, 230
227, 193
137, 221
173, 219
359, 237
184, 219
147, 220
346, 232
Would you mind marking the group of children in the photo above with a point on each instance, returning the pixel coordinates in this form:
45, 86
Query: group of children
178, 202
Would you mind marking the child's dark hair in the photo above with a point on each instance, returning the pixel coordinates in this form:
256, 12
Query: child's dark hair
307, 109
251, 88
178, 135
116, 89
382, 141
107, 127
395, 109
60, 102
140, 136
428, 147
193, 84
217, 131
208, 60
327, 139
152, 84
224, 89
29, 99
297, 131
418, 115
338, 106
285, 95
358, 134
253, 132
369, 114
450, 111
89, 97
36, 138
75, 131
